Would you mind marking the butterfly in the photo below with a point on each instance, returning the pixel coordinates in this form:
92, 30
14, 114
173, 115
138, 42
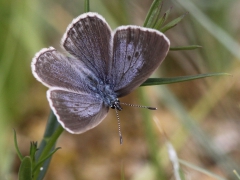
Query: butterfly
101, 66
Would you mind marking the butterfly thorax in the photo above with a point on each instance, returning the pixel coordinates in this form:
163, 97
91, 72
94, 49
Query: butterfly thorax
106, 92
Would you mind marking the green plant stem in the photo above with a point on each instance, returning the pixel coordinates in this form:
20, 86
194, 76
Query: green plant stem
52, 133
16, 146
38, 165
50, 145
51, 142
86, 6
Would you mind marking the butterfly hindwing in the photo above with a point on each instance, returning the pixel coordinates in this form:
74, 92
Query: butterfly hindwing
76, 112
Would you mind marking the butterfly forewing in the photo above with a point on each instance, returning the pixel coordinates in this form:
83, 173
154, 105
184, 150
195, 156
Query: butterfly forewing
76, 112
137, 52
88, 38
55, 70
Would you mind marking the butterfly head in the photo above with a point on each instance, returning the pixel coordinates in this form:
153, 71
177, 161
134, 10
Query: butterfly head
116, 105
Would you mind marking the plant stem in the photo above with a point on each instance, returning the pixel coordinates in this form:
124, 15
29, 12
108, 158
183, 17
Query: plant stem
52, 133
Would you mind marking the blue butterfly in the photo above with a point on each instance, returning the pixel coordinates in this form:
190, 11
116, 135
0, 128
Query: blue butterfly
103, 66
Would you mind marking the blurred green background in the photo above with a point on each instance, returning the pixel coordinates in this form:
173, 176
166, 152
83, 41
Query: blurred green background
200, 118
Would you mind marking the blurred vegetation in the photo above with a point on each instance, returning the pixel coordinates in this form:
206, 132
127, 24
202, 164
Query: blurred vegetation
201, 118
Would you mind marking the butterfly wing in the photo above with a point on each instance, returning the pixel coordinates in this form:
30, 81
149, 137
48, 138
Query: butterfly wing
77, 113
88, 38
55, 70
71, 96
137, 52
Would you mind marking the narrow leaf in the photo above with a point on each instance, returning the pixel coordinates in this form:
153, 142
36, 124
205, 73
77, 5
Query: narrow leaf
199, 169
172, 23
86, 6
45, 158
52, 132
155, 16
166, 14
122, 172
163, 19
236, 173
25, 170
174, 159
16, 146
160, 81
182, 174
151, 13
33, 150
180, 48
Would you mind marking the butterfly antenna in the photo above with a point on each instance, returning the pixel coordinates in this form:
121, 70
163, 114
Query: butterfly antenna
139, 106
119, 127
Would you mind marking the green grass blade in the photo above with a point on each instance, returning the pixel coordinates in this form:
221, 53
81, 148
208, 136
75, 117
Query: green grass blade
163, 19
216, 31
172, 23
155, 16
16, 146
182, 174
25, 170
86, 6
236, 173
204, 171
160, 81
181, 48
33, 150
174, 160
200, 136
166, 14
122, 172
151, 13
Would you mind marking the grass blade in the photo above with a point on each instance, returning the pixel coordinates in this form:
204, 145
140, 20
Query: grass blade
25, 170
163, 19
160, 81
172, 23
181, 48
16, 146
204, 171
86, 6
155, 7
